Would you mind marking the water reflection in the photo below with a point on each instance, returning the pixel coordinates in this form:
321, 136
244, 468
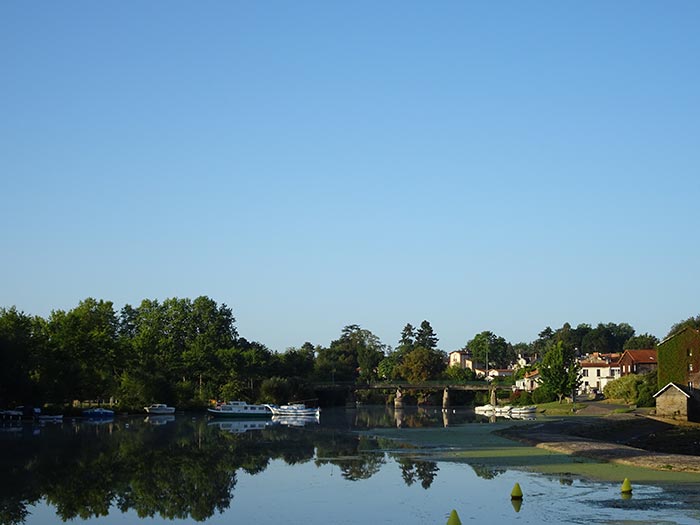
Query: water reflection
192, 468
184, 468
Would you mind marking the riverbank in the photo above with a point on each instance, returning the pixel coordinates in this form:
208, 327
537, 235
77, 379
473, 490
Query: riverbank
606, 445
626, 439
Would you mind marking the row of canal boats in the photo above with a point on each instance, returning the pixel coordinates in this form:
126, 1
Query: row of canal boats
231, 409
506, 411
241, 409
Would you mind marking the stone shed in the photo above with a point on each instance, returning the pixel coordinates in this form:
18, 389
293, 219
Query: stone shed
678, 402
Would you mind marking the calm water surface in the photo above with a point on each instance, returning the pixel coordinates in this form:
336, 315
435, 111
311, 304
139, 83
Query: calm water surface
186, 469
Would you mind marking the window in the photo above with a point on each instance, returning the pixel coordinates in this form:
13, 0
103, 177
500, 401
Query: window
585, 372
597, 372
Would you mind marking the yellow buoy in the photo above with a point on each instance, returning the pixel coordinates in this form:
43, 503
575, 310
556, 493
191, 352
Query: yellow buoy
516, 493
517, 503
454, 518
626, 487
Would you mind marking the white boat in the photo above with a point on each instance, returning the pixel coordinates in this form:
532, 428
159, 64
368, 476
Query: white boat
503, 411
485, 409
294, 409
158, 409
240, 426
297, 421
54, 418
523, 410
239, 409
98, 413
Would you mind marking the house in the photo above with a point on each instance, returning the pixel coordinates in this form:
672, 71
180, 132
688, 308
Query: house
596, 374
679, 358
463, 359
494, 373
678, 402
638, 362
529, 382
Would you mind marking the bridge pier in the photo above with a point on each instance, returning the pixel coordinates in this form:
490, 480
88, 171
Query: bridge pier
398, 399
492, 396
446, 398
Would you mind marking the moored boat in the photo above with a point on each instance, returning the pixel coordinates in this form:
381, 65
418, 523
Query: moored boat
503, 411
297, 421
484, 409
239, 409
53, 418
294, 409
524, 410
98, 413
240, 426
159, 409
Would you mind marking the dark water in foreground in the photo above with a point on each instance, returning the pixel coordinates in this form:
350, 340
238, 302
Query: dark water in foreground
186, 469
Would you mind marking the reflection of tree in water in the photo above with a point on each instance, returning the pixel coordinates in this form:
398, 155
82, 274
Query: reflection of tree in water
178, 471
357, 456
486, 472
412, 470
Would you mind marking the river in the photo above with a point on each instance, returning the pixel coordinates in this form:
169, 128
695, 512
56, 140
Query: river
189, 469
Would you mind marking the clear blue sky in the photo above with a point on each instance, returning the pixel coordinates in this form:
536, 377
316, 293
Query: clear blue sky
318, 164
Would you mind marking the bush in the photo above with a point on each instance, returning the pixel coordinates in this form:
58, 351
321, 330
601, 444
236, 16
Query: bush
633, 389
543, 395
521, 398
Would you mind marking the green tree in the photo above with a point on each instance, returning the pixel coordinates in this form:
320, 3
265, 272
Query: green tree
559, 371
607, 338
85, 339
426, 337
641, 342
357, 351
457, 373
298, 362
488, 348
21, 346
422, 364
408, 338
691, 322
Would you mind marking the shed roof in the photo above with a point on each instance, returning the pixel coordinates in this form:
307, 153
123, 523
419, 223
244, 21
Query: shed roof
681, 388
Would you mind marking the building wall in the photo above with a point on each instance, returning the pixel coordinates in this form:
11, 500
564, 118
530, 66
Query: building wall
679, 359
672, 403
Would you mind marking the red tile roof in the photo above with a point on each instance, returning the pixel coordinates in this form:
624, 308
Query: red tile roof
640, 356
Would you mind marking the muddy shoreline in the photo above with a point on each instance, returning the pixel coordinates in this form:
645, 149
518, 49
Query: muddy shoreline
628, 439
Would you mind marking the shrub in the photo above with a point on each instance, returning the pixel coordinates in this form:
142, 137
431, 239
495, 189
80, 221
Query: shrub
543, 395
633, 389
521, 398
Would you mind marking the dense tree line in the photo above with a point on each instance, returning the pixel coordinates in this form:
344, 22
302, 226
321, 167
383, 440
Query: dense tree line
186, 352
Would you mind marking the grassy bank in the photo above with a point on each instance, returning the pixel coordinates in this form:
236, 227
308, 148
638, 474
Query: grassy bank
493, 447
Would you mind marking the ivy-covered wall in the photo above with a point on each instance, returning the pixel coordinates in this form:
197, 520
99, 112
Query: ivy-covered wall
676, 355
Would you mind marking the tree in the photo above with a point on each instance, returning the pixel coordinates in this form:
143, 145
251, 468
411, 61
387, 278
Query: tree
543, 341
21, 345
422, 364
691, 322
357, 351
641, 342
559, 371
408, 338
492, 350
426, 337
84, 340
457, 373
